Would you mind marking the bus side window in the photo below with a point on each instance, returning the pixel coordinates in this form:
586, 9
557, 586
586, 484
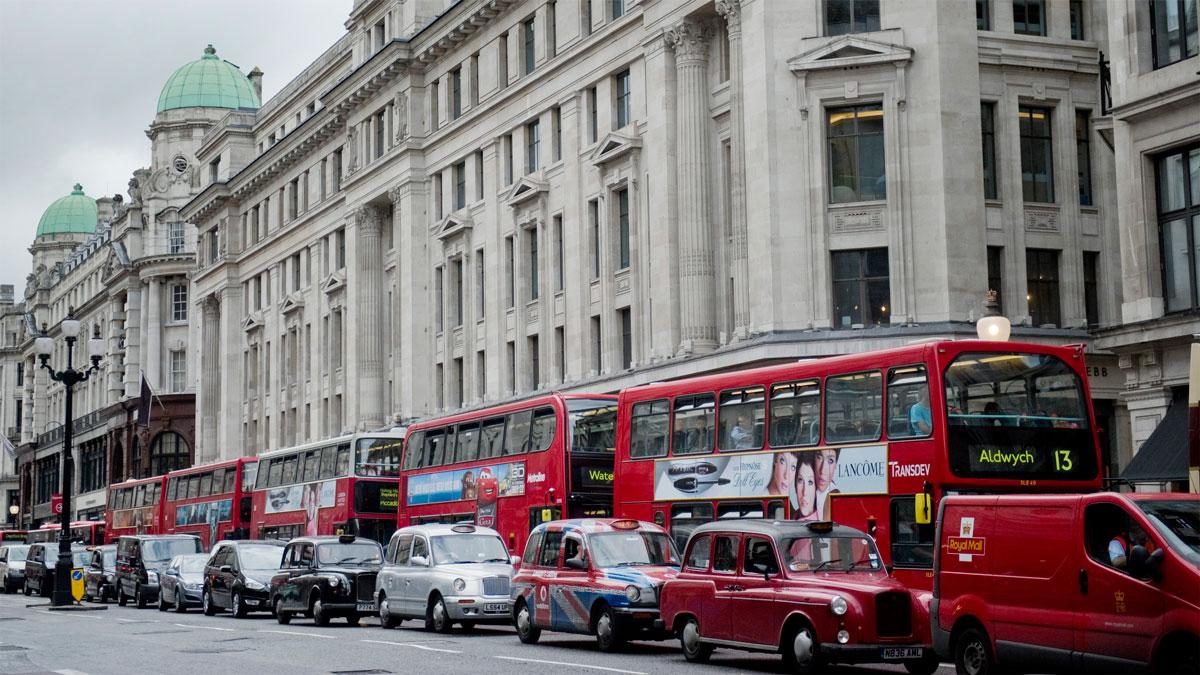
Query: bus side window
541, 434
414, 451
912, 544
230, 482
648, 438
343, 459
694, 425
687, 517
491, 441
448, 446
909, 415
853, 407
516, 441
467, 447
205, 484
328, 462
434, 439
796, 414
172, 487
193, 486
741, 418
312, 465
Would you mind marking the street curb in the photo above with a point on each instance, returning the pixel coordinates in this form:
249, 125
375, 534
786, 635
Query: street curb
71, 608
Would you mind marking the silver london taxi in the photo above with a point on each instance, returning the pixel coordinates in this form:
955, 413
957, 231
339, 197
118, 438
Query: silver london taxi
445, 574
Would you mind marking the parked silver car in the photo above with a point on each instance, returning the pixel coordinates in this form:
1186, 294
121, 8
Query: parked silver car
179, 585
12, 566
445, 574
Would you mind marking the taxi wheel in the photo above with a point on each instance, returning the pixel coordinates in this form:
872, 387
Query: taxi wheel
608, 635
437, 619
139, 598
239, 608
972, 653
209, 608
386, 618
319, 615
526, 631
800, 651
694, 650
180, 602
121, 599
283, 616
162, 601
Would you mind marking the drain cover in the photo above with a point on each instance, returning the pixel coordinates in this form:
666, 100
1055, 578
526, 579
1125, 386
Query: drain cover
12, 648
373, 671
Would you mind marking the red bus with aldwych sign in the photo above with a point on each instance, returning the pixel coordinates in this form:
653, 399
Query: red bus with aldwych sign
134, 507
345, 485
212, 501
512, 466
86, 532
868, 440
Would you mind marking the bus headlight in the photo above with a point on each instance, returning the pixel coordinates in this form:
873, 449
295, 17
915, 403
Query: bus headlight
633, 593
838, 605
460, 585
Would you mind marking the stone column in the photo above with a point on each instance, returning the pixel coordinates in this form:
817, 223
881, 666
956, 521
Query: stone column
210, 368
133, 338
369, 295
732, 11
153, 358
114, 375
689, 39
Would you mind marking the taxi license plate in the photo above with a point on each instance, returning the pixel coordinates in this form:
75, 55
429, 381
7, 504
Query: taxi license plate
894, 653
365, 607
494, 607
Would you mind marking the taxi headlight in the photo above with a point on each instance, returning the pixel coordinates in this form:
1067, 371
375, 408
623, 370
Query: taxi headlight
460, 585
633, 593
843, 636
334, 582
838, 605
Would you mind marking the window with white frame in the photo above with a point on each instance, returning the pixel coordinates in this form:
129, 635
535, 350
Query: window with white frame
179, 302
178, 370
175, 237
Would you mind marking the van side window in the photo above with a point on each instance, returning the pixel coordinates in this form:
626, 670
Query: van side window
1110, 534
909, 414
912, 544
531, 549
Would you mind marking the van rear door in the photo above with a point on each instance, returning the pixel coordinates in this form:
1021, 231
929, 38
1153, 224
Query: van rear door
1121, 615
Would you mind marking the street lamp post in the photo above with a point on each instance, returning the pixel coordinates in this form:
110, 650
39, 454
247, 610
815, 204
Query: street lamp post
69, 378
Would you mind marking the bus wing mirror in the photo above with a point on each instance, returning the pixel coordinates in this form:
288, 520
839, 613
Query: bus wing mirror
924, 508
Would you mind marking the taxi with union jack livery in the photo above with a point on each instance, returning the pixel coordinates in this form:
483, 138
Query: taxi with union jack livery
593, 576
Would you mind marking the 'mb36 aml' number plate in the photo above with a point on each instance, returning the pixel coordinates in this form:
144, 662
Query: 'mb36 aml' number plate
893, 653
366, 607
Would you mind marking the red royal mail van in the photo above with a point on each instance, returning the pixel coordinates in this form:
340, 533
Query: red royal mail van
1093, 582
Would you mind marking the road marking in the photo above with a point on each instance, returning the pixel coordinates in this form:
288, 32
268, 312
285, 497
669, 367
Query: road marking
139, 620
572, 665
72, 614
296, 632
416, 646
187, 625
68, 671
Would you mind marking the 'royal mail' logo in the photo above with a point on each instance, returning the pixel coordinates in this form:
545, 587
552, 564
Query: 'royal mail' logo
966, 545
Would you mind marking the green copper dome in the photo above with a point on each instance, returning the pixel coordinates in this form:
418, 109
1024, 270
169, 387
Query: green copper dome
208, 82
73, 214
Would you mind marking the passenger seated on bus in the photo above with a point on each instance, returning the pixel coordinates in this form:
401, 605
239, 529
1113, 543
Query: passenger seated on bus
783, 430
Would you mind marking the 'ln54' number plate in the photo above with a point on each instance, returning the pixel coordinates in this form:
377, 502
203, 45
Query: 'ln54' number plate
365, 607
894, 653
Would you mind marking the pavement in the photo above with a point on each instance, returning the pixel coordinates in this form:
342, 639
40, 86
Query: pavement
126, 640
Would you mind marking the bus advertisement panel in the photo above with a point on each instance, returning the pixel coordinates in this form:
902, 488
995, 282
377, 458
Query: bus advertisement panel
346, 485
870, 440
512, 466
211, 501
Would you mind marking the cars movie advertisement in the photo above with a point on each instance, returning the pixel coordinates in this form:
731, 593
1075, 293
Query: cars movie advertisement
856, 470
297, 497
141, 517
498, 480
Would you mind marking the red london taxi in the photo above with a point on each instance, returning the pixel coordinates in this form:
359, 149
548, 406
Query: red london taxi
594, 576
816, 592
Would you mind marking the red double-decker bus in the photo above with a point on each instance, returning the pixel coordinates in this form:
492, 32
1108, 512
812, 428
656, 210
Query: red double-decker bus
512, 466
345, 485
13, 537
86, 532
134, 507
211, 501
870, 440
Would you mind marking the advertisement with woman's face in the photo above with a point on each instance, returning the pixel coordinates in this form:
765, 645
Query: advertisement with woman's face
804, 494
783, 474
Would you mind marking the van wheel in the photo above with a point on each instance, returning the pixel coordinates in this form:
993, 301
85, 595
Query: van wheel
386, 618
283, 616
1178, 654
694, 650
526, 631
801, 653
437, 619
319, 615
608, 633
138, 598
973, 654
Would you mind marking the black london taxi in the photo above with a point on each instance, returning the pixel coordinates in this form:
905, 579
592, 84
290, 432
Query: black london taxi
142, 557
99, 577
324, 577
39, 567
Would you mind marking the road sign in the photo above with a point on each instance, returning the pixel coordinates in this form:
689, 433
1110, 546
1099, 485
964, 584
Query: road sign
77, 583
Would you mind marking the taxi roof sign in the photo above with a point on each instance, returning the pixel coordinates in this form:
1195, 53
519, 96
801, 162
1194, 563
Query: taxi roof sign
820, 526
625, 524
463, 529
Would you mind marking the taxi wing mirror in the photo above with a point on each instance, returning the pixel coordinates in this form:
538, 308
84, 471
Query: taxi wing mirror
226, 569
575, 564
514, 560
420, 561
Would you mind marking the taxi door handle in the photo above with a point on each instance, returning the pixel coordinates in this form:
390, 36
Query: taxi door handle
733, 587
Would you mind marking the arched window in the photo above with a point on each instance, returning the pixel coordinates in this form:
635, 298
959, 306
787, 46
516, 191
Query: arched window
136, 465
116, 466
168, 453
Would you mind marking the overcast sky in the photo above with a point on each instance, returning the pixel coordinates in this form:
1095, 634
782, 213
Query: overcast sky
79, 84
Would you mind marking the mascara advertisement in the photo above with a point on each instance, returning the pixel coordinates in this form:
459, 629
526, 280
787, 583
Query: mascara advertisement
853, 470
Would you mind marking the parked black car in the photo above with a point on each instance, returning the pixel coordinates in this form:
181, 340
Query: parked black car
238, 576
142, 557
180, 585
323, 577
39, 567
12, 566
100, 575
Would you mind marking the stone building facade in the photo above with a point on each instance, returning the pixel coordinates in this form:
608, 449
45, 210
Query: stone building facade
464, 202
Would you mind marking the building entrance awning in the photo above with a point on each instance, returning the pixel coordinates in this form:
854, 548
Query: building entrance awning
1164, 456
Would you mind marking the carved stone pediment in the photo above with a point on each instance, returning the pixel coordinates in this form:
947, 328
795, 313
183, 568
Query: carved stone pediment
291, 303
613, 147
334, 282
253, 322
849, 50
455, 224
524, 190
